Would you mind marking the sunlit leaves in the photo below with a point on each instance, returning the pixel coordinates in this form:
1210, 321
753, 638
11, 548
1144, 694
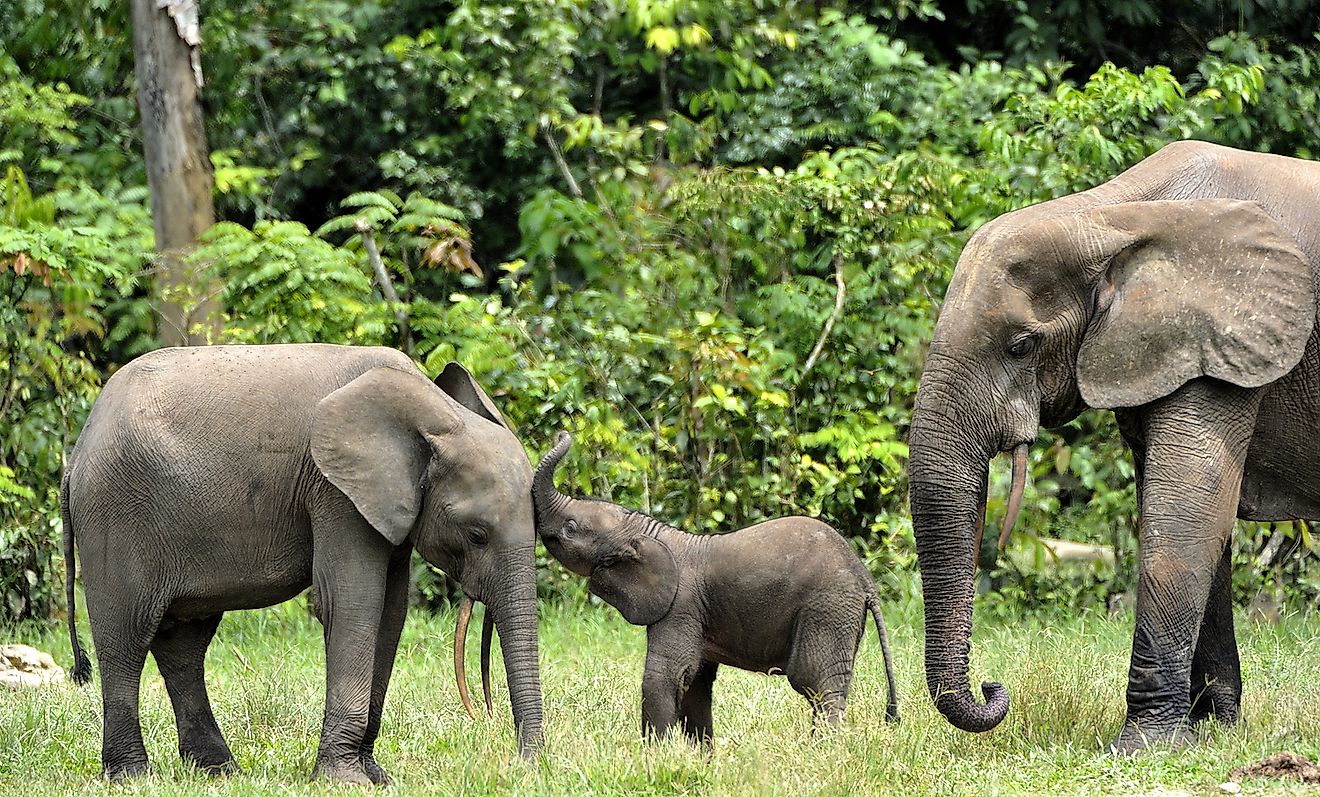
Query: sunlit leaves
290, 286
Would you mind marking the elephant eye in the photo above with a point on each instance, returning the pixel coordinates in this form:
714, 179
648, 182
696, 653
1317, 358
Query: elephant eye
570, 528
477, 536
1023, 344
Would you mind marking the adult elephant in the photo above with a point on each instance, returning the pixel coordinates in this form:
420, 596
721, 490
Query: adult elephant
232, 477
1182, 294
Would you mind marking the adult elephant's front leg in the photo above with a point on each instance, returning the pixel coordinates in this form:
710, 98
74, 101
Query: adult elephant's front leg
1216, 684
1196, 441
387, 645
349, 569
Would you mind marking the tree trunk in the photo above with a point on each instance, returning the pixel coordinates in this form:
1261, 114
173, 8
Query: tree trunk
167, 50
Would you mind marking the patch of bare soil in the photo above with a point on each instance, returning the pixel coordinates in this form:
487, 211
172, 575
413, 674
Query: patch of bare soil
1287, 766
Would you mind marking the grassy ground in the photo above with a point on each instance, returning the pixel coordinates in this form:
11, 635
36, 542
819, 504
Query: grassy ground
266, 679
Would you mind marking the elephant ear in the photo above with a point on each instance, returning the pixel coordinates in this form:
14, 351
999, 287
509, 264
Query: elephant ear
642, 584
1191, 288
461, 387
371, 439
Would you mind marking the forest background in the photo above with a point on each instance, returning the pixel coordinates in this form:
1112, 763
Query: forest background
709, 238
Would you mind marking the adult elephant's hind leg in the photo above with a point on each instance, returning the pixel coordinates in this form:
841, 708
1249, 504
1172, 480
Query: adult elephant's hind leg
1216, 685
180, 652
122, 637
1196, 441
387, 646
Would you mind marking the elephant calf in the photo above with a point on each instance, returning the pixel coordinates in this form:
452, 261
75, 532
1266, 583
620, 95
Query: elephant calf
785, 596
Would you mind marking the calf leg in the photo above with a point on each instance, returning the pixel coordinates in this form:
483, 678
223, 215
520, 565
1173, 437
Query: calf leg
672, 659
820, 667
694, 708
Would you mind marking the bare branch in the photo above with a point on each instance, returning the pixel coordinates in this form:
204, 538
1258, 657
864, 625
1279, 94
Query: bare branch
550, 142
829, 322
386, 284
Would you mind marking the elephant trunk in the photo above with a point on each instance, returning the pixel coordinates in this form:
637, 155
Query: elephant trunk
947, 484
545, 497
515, 622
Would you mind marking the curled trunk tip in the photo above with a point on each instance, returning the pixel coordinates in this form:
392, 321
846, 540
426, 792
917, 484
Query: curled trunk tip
544, 495
963, 712
545, 470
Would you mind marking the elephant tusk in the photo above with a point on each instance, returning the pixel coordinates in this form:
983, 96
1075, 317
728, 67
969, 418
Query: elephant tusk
460, 646
1014, 493
487, 631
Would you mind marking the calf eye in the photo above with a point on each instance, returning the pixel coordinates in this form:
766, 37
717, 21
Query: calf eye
570, 528
477, 536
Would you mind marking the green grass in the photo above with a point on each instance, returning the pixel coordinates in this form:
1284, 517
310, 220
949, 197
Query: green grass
266, 678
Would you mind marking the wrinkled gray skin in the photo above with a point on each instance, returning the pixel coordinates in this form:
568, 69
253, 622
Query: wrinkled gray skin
782, 597
1182, 295
233, 477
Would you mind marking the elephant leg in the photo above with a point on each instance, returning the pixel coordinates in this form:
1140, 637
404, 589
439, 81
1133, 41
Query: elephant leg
122, 637
671, 660
1216, 685
349, 569
694, 709
1196, 442
820, 668
387, 645
180, 652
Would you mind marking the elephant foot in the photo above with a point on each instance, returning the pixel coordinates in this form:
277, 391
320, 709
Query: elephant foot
342, 772
1220, 704
213, 762
219, 769
374, 771
1135, 738
124, 770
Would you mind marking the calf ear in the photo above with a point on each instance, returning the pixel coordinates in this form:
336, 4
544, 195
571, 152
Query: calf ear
370, 439
642, 584
1194, 287
459, 384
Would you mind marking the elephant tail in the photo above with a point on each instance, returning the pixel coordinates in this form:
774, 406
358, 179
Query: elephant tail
891, 710
82, 666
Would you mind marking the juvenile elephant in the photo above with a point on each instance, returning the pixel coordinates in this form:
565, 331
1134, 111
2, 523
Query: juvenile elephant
233, 477
785, 596
1182, 294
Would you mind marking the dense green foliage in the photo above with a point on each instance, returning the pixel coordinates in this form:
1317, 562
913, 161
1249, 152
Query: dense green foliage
265, 674
710, 238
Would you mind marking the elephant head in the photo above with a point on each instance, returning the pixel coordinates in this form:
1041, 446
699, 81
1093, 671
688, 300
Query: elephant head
1068, 304
616, 548
436, 464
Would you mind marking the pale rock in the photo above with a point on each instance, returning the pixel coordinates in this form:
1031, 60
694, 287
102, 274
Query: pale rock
23, 667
